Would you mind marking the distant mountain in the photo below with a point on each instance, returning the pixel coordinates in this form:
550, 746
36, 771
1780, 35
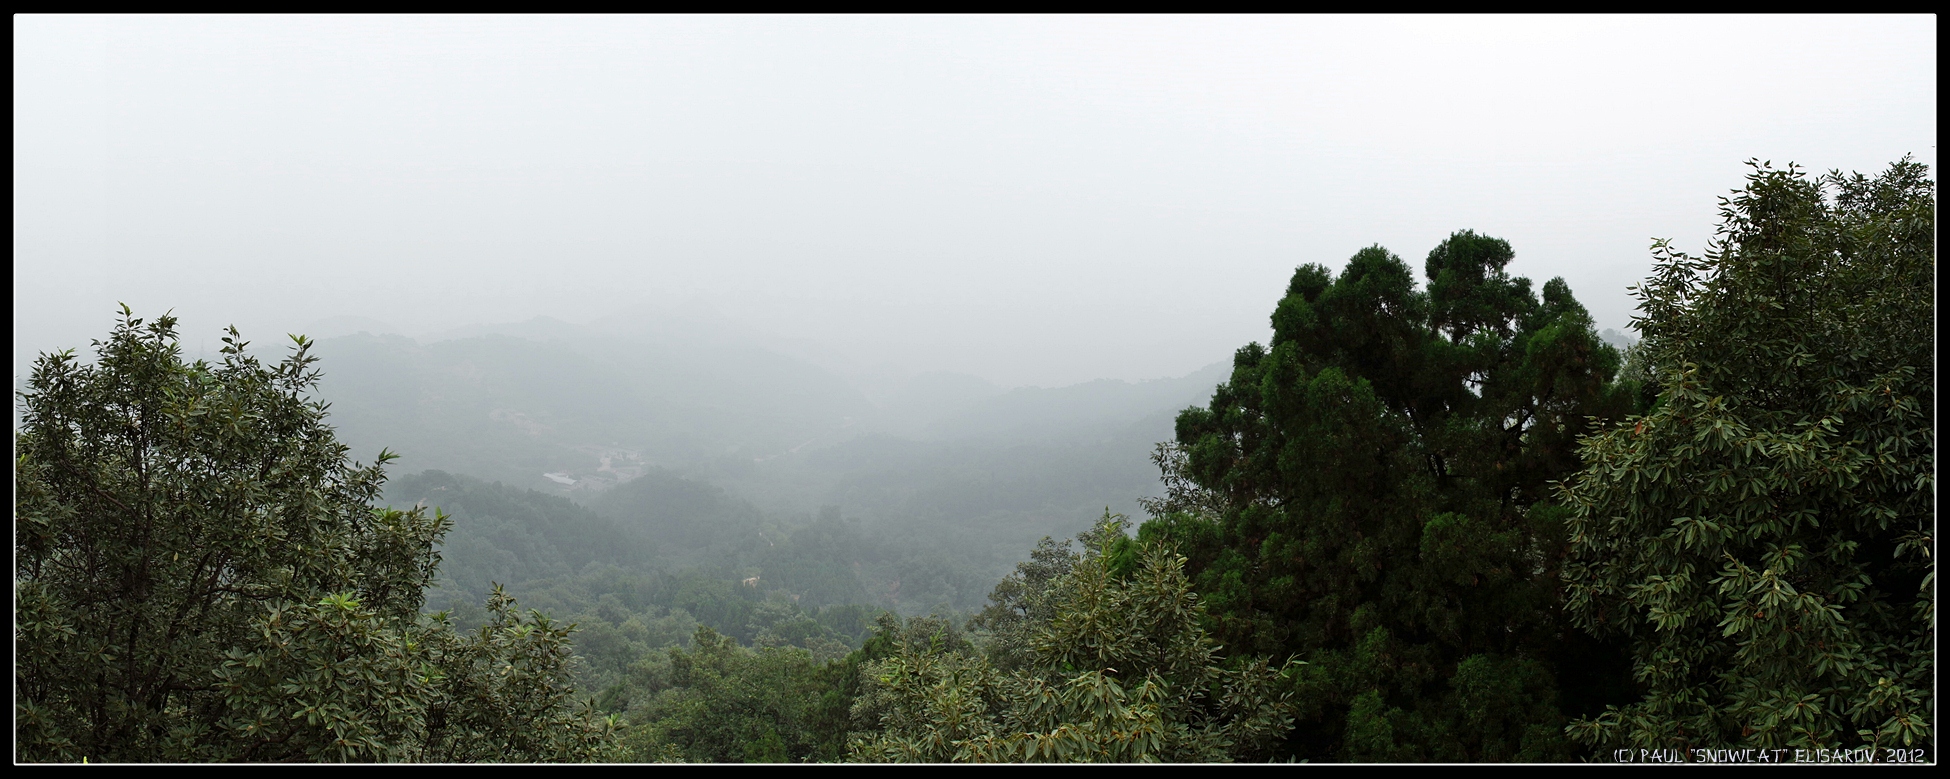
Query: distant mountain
510, 536
517, 402
1621, 340
1038, 414
705, 448
493, 407
333, 327
681, 513
927, 398
701, 365
541, 328
571, 409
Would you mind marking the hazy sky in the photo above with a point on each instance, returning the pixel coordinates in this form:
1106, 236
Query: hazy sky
1034, 200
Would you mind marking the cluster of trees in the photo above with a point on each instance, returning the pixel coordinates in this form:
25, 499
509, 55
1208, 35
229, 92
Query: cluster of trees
203, 575
664, 532
1100, 656
1494, 538
200, 575
1434, 523
569, 560
1097, 655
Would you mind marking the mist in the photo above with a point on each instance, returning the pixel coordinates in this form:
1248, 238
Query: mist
1035, 201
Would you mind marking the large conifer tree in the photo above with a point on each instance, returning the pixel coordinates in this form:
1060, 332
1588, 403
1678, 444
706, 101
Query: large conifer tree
1368, 493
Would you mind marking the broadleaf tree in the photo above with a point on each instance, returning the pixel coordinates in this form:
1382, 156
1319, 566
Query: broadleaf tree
1085, 663
200, 575
1764, 537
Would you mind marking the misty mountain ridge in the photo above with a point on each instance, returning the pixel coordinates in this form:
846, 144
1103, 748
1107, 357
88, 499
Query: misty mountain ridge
1617, 339
1037, 413
702, 450
336, 326
571, 408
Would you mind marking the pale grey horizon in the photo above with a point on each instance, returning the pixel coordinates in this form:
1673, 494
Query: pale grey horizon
1031, 200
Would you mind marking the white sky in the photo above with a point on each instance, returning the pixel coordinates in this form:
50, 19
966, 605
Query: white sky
1034, 200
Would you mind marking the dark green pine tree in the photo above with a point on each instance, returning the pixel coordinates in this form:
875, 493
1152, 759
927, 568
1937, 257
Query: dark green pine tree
1370, 494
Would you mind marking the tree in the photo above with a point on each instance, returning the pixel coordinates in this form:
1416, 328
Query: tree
1370, 494
727, 704
1116, 669
200, 574
1765, 536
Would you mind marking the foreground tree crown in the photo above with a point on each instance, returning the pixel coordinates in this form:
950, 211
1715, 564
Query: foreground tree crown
1370, 494
200, 575
1096, 656
1765, 537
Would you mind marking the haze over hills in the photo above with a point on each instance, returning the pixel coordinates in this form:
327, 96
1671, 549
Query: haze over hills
692, 446
513, 402
598, 403
949, 475
1060, 413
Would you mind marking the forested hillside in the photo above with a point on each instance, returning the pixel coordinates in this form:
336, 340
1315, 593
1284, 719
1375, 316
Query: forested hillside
946, 463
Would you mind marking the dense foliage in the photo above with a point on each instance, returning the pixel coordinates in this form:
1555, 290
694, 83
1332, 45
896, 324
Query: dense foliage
1369, 493
663, 532
1109, 664
725, 704
200, 575
718, 701
1765, 537
1117, 668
